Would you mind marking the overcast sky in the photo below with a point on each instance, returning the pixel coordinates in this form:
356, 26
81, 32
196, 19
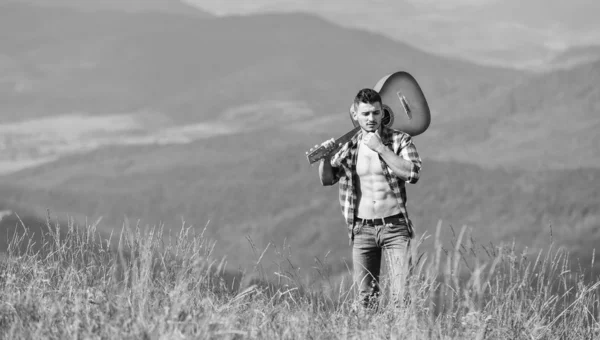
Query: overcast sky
509, 32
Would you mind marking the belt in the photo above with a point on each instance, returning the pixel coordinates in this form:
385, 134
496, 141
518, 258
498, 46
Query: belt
395, 219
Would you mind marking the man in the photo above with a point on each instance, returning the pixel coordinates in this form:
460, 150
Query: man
372, 170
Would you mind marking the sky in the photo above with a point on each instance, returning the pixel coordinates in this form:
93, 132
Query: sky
513, 33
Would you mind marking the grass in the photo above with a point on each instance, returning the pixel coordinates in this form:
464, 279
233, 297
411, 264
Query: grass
144, 284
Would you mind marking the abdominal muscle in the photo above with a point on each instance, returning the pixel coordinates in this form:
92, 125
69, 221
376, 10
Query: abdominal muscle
374, 196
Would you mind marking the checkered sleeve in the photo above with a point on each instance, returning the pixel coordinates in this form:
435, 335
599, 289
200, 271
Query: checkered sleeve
336, 163
337, 174
408, 151
338, 157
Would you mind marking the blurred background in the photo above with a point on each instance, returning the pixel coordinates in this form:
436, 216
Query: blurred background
157, 112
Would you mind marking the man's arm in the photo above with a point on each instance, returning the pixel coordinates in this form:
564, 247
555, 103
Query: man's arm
327, 173
406, 170
406, 165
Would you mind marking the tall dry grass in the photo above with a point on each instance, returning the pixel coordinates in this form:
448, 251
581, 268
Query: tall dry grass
145, 284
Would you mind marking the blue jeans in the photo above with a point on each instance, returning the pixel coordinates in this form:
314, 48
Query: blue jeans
371, 243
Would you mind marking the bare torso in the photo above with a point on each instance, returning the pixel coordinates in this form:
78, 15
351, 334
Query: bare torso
375, 197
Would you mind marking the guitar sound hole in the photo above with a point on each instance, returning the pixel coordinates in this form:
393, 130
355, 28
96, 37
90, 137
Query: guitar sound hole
388, 116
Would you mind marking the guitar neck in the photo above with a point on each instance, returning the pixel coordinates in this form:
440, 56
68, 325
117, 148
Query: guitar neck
320, 153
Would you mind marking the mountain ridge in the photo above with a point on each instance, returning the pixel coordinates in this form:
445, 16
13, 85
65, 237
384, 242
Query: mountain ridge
118, 72
132, 6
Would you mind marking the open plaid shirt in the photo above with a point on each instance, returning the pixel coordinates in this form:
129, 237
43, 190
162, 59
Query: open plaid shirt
344, 166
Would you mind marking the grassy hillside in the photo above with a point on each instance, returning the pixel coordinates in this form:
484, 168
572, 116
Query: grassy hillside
148, 288
274, 196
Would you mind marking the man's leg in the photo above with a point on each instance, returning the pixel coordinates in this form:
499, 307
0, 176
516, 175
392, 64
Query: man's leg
396, 248
366, 260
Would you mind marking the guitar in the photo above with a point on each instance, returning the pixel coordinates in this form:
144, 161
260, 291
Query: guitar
404, 108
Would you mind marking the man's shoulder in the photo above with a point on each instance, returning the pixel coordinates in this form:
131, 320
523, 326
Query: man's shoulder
398, 132
395, 134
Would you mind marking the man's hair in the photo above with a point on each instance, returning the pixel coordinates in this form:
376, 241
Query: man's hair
367, 96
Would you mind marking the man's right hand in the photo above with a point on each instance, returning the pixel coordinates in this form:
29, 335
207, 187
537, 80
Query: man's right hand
328, 144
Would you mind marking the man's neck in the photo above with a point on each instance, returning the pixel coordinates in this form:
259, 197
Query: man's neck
379, 130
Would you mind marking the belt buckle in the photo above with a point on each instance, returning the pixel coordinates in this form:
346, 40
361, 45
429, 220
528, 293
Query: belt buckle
377, 221
374, 221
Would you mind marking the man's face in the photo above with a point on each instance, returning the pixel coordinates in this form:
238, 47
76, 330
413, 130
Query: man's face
368, 116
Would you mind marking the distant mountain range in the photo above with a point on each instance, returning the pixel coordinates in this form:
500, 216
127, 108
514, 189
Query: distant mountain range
487, 32
56, 60
130, 6
576, 56
517, 34
546, 121
508, 153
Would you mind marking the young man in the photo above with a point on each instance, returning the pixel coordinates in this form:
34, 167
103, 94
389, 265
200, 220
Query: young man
372, 170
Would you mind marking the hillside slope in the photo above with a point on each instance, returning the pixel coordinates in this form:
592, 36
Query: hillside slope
549, 121
276, 196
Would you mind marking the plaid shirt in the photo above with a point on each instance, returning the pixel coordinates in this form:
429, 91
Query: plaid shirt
344, 166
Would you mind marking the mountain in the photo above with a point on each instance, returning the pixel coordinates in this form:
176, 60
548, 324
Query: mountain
547, 121
131, 6
284, 90
512, 33
576, 56
56, 60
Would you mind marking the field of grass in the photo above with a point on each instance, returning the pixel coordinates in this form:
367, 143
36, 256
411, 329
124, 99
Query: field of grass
146, 285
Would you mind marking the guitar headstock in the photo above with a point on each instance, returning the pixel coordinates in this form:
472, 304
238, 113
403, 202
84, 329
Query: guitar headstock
317, 153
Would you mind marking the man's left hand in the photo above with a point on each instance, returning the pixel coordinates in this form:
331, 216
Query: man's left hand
373, 141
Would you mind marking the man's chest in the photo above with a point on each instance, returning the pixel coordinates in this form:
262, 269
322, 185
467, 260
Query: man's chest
367, 162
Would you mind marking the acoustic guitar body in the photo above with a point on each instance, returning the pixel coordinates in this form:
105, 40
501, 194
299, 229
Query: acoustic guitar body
404, 105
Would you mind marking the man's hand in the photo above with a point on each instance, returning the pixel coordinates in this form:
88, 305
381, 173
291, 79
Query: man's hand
373, 141
329, 145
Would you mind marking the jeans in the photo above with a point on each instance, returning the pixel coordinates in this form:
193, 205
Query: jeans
371, 243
